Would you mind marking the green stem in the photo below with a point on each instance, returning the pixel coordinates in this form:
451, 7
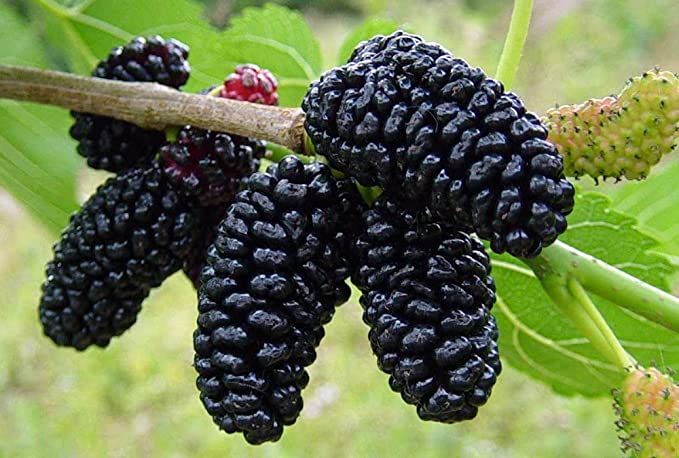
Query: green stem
609, 283
278, 152
555, 281
617, 352
514, 43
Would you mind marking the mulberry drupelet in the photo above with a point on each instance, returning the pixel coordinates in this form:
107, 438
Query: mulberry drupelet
116, 145
275, 274
427, 296
127, 238
407, 115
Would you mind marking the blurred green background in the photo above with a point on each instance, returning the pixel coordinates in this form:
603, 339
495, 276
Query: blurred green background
138, 398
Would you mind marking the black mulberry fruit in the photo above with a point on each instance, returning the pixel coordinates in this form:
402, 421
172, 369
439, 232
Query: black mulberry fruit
209, 219
211, 168
116, 145
128, 237
274, 276
427, 296
406, 114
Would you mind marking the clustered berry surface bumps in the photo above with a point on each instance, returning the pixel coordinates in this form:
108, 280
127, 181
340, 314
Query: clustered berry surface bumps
134, 232
619, 136
250, 83
212, 166
648, 411
270, 252
274, 276
406, 114
116, 145
427, 296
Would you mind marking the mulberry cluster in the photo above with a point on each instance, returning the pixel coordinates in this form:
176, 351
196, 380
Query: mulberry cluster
407, 115
622, 136
275, 274
128, 237
115, 145
270, 253
427, 296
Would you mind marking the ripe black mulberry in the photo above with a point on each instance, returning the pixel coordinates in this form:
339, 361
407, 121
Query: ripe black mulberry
211, 168
128, 237
275, 274
427, 296
407, 115
116, 145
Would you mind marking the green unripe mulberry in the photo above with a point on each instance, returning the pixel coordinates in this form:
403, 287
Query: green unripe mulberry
621, 136
648, 407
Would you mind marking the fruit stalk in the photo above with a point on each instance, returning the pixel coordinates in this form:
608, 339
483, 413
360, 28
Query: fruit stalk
153, 106
564, 262
572, 300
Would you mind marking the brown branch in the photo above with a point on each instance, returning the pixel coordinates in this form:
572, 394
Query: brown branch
153, 106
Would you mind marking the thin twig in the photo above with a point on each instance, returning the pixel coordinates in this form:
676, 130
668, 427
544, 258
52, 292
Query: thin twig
154, 106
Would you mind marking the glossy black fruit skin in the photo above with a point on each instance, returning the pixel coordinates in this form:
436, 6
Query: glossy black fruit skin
147, 60
210, 168
115, 145
427, 296
127, 238
276, 271
406, 115
209, 219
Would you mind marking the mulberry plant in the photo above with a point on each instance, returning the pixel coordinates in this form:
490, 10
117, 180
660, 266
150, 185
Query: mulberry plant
407, 171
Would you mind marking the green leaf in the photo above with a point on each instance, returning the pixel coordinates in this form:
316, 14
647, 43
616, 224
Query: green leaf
86, 32
272, 37
278, 39
37, 159
364, 31
537, 339
654, 203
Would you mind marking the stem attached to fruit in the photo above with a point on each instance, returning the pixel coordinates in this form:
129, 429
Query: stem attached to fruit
154, 106
569, 296
516, 38
277, 152
606, 281
616, 349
